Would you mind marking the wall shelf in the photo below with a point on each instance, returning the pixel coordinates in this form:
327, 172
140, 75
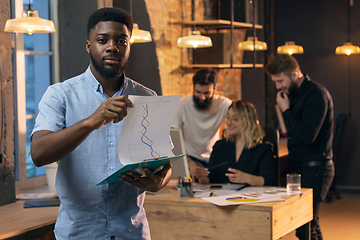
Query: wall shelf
219, 24
223, 66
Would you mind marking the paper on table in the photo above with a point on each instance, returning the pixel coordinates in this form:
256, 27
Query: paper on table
146, 129
238, 199
249, 195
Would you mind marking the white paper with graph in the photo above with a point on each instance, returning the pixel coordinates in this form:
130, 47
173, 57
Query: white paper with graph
144, 139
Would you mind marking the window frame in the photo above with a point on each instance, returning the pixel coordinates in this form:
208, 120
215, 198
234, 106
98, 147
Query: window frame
22, 182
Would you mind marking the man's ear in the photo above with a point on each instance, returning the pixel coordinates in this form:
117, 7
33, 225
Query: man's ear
87, 46
295, 75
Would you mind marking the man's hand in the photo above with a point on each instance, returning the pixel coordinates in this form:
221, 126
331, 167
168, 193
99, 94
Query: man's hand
151, 182
113, 109
283, 101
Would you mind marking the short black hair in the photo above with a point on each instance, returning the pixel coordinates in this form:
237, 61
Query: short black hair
205, 76
109, 14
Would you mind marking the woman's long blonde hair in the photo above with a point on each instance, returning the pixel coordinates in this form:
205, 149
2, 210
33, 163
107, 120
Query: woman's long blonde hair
250, 131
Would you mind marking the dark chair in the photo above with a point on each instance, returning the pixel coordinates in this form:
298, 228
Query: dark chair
272, 136
339, 136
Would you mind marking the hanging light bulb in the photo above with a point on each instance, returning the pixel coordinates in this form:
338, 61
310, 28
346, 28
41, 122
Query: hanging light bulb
139, 36
290, 48
194, 40
347, 49
248, 45
30, 23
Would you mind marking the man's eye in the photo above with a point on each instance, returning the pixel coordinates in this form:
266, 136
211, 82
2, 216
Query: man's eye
123, 42
101, 40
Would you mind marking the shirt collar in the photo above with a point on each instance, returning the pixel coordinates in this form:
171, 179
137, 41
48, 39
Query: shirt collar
302, 87
94, 83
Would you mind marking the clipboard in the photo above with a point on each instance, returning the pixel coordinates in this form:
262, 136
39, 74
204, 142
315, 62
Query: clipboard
151, 164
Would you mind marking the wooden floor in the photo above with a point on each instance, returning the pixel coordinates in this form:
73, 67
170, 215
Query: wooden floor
339, 220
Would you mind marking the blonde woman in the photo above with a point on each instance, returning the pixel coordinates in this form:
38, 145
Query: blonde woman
245, 158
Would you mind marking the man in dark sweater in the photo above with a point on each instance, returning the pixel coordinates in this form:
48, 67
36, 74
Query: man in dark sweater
307, 109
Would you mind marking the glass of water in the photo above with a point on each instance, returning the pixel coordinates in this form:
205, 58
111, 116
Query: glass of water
293, 182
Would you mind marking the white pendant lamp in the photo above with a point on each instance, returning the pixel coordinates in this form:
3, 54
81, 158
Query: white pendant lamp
29, 23
194, 40
347, 49
248, 45
290, 48
139, 36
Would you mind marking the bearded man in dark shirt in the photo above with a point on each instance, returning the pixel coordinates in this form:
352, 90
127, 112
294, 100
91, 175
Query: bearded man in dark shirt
307, 109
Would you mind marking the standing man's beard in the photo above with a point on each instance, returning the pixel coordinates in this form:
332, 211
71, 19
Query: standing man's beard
292, 88
202, 105
106, 73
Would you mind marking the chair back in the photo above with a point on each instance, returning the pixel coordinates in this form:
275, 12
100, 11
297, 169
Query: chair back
339, 133
272, 136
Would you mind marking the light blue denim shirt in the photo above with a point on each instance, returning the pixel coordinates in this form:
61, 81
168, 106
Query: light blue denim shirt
87, 211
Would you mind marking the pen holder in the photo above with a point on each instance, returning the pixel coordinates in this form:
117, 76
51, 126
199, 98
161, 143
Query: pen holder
186, 189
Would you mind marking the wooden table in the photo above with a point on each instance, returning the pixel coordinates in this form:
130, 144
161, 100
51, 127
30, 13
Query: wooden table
171, 217
16, 221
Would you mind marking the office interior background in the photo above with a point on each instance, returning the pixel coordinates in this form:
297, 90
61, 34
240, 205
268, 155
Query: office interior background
318, 26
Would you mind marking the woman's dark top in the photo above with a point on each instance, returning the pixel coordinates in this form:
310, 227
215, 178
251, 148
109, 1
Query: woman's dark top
258, 161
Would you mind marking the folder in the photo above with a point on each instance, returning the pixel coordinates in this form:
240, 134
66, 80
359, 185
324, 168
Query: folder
151, 164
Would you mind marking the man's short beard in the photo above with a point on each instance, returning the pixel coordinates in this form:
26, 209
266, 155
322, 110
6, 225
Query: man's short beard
202, 105
106, 73
292, 88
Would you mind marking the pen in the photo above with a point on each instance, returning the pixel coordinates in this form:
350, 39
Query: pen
218, 165
242, 187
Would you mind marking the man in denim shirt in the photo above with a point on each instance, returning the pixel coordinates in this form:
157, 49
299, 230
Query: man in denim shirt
79, 124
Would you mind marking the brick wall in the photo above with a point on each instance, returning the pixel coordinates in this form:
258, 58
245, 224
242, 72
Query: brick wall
165, 16
7, 181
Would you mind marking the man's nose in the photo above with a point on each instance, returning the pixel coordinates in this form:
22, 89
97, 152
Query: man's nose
278, 85
202, 97
112, 47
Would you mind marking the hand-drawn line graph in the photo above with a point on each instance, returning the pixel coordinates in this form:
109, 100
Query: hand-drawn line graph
146, 129
144, 139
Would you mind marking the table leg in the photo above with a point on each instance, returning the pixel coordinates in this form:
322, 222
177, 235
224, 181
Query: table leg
307, 227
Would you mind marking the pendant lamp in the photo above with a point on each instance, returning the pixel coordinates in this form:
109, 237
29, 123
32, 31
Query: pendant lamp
30, 23
348, 48
248, 45
194, 39
252, 42
290, 48
138, 35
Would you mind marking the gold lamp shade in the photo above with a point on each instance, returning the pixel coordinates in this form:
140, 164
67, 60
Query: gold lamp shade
194, 40
248, 45
139, 36
290, 48
29, 23
347, 49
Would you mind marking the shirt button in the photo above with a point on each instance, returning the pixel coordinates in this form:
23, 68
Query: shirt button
112, 237
111, 168
111, 144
